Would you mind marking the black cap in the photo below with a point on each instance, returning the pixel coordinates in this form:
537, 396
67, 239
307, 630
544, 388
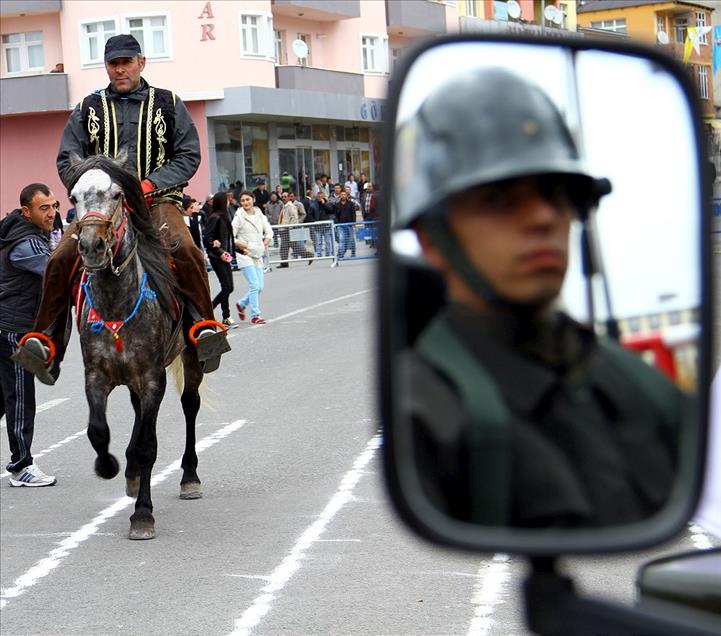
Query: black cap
187, 201
123, 45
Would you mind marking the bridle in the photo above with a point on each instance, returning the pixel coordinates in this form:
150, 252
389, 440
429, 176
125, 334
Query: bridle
112, 236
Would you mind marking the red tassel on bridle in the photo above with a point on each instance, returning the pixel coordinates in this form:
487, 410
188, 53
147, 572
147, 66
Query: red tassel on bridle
118, 342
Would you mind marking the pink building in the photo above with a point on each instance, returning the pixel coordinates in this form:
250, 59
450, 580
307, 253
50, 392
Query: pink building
272, 85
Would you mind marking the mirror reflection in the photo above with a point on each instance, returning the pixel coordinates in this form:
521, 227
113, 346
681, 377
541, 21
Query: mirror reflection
546, 283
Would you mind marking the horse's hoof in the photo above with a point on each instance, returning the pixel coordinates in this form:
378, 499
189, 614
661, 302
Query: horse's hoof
132, 486
142, 531
106, 467
191, 490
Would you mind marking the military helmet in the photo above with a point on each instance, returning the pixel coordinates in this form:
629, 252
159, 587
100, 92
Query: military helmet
481, 127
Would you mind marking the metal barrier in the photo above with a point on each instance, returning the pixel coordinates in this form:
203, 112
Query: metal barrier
301, 241
360, 239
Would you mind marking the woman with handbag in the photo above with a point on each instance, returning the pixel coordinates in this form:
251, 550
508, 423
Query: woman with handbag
218, 241
252, 234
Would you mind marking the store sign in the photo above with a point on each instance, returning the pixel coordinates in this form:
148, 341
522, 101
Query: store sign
206, 30
372, 111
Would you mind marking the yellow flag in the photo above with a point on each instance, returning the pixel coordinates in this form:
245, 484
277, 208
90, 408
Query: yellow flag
688, 45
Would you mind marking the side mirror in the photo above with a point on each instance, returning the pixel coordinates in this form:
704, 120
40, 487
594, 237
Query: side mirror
545, 306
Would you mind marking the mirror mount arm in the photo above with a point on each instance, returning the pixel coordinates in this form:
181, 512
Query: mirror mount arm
553, 608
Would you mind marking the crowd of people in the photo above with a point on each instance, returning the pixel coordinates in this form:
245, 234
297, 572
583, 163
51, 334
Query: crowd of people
234, 226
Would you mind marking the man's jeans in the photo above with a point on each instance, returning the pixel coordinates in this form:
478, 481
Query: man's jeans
323, 240
345, 233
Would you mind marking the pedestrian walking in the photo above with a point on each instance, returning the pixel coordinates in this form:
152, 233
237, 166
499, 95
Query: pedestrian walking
218, 240
252, 234
24, 253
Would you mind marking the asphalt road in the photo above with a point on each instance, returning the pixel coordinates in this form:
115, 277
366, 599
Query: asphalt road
294, 534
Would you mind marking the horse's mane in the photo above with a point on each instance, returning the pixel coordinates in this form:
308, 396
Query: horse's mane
151, 251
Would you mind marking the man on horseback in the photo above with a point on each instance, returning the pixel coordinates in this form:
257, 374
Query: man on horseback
155, 129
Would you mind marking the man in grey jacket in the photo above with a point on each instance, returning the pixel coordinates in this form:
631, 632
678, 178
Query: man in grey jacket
155, 129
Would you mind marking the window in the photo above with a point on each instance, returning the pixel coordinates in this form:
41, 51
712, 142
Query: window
256, 36
395, 59
305, 61
703, 82
23, 52
660, 24
151, 32
471, 8
500, 11
374, 57
616, 26
701, 22
279, 37
93, 36
680, 28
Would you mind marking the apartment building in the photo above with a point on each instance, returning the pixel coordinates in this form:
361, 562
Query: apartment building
273, 86
663, 23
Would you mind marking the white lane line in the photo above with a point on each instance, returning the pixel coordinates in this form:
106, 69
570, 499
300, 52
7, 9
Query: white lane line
699, 538
488, 592
304, 309
39, 409
50, 449
55, 557
282, 574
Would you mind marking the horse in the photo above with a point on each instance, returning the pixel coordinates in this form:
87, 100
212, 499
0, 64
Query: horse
128, 331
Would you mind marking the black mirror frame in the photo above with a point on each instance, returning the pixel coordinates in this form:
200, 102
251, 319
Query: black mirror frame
410, 504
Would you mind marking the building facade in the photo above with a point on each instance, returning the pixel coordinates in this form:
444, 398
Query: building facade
273, 86
663, 23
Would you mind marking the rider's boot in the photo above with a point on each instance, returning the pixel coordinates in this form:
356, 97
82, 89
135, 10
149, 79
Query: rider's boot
208, 335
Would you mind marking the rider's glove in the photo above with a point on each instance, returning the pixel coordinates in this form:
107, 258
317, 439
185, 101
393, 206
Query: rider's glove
147, 186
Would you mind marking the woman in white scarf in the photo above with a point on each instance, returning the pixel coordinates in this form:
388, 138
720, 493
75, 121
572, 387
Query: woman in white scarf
252, 233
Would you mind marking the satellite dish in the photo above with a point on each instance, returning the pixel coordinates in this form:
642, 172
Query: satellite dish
300, 49
514, 9
662, 37
550, 13
558, 17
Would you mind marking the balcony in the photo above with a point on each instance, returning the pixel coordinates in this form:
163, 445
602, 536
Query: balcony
317, 10
15, 8
318, 79
34, 94
415, 17
479, 25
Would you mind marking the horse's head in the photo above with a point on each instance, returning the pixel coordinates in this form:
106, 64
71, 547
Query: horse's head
100, 208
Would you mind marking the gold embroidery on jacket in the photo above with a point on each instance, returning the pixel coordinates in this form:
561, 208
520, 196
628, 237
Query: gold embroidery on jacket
115, 131
106, 124
138, 164
160, 129
149, 131
94, 128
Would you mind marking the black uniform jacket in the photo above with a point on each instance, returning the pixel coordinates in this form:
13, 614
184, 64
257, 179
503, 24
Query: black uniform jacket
592, 430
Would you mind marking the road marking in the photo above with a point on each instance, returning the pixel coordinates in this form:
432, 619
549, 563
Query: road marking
488, 591
39, 409
50, 449
699, 538
292, 562
55, 557
304, 309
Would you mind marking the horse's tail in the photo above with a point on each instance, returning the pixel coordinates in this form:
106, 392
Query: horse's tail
176, 371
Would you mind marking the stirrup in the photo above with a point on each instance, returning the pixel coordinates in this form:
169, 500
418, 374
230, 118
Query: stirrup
32, 361
209, 346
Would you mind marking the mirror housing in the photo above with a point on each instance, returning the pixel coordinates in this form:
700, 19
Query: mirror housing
398, 275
